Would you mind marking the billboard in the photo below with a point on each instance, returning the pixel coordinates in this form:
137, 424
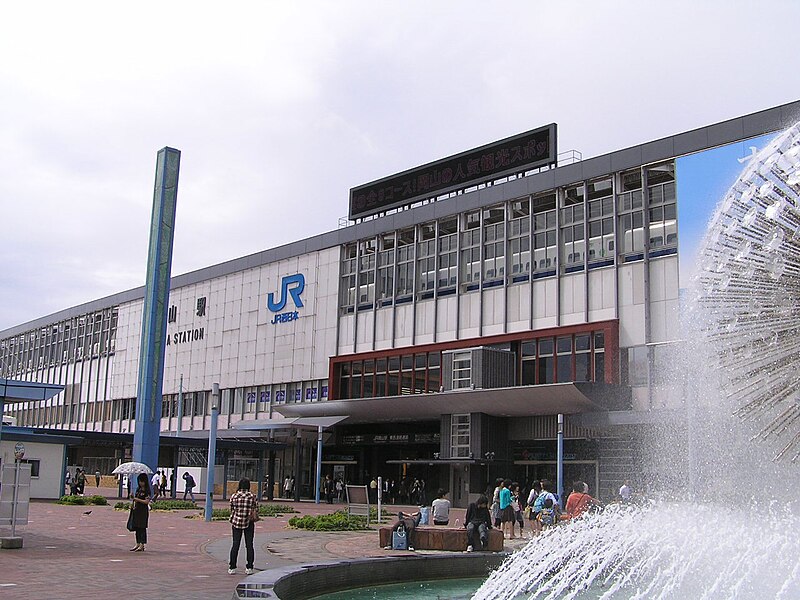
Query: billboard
523, 152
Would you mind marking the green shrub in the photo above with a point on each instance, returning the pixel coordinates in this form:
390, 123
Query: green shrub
82, 500
173, 505
122, 506
373, 513
274, 510
338, 521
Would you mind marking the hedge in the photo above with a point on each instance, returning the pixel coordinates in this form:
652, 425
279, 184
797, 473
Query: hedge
338, 521
83, 500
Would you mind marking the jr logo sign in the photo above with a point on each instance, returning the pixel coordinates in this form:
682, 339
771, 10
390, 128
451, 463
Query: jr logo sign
291, 285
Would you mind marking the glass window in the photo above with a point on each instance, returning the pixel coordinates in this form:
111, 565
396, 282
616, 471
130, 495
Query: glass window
434, 378
459, 435
462, 370
546, 361
564, 359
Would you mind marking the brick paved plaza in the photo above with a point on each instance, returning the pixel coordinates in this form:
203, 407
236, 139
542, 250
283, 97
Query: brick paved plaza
68, 553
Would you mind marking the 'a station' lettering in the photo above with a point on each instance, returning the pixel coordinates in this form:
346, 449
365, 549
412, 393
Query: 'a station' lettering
190, 335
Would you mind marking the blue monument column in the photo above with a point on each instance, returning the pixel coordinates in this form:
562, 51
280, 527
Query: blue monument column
154, 315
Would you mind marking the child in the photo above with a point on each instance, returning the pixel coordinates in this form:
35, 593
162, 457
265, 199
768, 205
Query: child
548, 516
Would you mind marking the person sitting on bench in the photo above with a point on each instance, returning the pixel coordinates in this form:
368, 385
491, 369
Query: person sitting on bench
478, 520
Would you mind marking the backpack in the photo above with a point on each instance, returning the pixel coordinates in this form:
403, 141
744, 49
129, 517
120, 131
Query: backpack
547, 517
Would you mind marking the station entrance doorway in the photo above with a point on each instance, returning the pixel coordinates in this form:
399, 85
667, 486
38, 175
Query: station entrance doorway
587, 471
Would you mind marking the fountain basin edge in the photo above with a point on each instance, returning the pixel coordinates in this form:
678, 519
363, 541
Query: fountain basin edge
301, 582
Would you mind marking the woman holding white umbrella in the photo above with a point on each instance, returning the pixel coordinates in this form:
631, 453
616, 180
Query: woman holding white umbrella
140, 512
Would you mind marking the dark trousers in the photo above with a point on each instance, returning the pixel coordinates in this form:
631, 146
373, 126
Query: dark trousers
141, 535
483, 535
248, 544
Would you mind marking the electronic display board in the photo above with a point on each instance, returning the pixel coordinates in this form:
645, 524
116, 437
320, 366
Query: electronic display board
522, 152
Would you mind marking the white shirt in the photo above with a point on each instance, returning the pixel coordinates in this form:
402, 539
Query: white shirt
156, 480
625, 492
441, 509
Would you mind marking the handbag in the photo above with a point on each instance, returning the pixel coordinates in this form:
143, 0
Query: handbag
130, 525
254, 516
400, 539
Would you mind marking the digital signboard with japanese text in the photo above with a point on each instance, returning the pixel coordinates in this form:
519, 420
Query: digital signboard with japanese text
523, 152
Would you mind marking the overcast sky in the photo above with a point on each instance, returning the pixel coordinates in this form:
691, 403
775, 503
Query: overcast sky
279, 108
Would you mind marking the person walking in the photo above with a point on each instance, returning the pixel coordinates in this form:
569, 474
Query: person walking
68, 481
97, 478
80, 480
286, 485
188, 485
163, 483
155, 483
244, 514
329, 489
140, 512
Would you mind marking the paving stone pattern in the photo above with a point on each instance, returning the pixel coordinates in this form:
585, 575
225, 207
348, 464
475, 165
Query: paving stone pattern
68, 553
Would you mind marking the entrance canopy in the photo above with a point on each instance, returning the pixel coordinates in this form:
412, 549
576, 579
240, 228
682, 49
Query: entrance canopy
12, 390
291, 423
519, 401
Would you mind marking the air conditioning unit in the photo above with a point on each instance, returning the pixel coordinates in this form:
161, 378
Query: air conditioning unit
488, 368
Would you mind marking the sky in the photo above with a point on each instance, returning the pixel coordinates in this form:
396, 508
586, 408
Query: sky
703, 180
280, 108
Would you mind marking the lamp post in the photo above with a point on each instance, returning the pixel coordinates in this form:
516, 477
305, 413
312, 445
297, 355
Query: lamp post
212, 451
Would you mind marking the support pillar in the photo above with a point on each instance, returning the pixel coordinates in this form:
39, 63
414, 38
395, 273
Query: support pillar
319, 461
260, 475
271, 474
225, 474
298, 442
154, 313
212, 451
560, 461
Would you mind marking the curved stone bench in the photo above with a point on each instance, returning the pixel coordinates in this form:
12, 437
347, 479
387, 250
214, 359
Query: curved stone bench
433, 537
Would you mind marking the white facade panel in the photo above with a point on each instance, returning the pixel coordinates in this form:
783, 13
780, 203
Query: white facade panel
631, 325
425, 322
235, 342
469, 315
404, 324
446, 321
573, 299
519, 307
384, 322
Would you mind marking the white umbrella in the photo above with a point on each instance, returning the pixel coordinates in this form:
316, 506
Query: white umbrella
131, 468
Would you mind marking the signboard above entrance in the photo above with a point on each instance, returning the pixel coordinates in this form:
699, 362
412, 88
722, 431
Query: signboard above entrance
523, 152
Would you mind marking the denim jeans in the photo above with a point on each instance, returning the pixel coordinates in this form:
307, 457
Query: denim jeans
483, 535
248, 544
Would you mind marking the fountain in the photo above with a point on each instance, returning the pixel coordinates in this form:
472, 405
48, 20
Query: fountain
729, 530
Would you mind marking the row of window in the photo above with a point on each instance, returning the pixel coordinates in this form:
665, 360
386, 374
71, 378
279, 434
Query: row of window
88, 336
540, 360
389, 376
529, 237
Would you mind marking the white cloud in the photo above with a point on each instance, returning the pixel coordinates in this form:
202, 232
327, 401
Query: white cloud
280, 108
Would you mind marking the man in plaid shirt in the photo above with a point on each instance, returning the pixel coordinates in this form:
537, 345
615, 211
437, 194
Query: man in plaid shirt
243, 506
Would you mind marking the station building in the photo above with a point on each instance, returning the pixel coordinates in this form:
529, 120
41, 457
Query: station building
451, 320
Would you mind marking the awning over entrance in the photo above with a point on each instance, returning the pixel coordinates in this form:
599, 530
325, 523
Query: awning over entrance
12, 390
291, 423
520, 401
